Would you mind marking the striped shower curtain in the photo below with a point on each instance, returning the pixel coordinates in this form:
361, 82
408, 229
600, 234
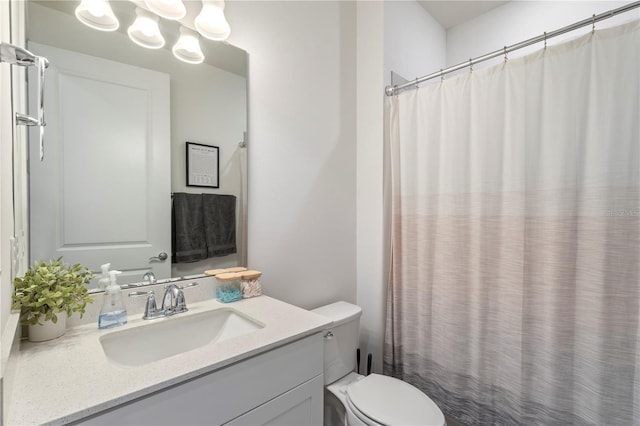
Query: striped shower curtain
514, 296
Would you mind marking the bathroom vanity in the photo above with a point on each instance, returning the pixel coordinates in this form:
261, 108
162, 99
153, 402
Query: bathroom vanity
263, 366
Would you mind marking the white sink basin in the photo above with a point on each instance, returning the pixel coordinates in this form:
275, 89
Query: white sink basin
173, 335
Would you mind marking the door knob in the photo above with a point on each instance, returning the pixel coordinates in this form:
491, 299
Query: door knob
162, 256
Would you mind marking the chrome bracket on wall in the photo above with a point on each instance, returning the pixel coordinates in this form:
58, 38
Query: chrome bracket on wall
15, 55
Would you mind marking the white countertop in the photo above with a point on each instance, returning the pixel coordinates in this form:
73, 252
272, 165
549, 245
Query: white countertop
70, 378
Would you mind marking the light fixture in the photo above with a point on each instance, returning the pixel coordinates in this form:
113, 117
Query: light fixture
211, 22
144, 31
187, 48
97, 14
168, 9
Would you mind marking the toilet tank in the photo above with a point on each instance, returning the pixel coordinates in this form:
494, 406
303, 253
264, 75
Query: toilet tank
341, 339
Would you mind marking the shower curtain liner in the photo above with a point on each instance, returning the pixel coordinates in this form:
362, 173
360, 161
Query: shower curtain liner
514, 295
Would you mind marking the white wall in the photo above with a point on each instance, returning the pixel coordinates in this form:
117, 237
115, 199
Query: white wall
316, 220
302, 152
414, 42
395, 36
370, 220
520, 20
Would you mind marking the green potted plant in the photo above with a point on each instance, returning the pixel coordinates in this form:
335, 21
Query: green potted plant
47, 294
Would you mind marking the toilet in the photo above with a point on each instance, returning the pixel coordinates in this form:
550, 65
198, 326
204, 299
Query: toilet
373, 400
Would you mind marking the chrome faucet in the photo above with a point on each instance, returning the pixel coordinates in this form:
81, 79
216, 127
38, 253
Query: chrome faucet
173, 301
151, 309
150, 276
170, 298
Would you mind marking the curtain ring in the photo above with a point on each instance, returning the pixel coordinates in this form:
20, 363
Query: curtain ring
505, 54
593, 24
441, 75
417, 84
470, 65
545, 40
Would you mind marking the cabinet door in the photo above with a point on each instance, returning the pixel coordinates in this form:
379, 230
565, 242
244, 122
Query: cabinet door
300, 406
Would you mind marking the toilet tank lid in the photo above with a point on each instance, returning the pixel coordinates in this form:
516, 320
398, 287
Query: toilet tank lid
339, 312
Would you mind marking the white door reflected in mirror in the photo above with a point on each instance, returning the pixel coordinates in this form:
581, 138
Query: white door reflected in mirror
102, 194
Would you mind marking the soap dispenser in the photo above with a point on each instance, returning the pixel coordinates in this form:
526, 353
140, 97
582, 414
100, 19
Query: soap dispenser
104, 280
113, 312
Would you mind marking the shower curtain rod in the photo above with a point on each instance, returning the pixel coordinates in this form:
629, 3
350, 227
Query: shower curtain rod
394, 90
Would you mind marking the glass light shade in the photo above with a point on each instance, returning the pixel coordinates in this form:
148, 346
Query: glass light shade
187, 48
168, 9
211, 22
145, 31
97, 14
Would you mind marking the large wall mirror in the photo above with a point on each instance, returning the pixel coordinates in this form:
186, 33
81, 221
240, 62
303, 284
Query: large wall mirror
119, 117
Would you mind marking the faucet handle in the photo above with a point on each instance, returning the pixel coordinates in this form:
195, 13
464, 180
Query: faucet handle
193, 284
181, 304
142, 293
151, 309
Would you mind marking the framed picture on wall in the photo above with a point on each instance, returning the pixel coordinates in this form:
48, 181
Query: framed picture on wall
203, 165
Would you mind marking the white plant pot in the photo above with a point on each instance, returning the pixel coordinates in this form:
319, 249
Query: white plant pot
47, 330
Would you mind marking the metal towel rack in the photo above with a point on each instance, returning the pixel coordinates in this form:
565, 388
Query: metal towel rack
15, 55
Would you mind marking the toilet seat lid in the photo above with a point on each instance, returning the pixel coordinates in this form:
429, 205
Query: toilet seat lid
390, 401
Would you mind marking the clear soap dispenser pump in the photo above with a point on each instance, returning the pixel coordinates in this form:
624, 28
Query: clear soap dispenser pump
113, 312
104, 277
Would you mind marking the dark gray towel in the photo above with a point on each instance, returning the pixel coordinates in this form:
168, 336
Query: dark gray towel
187, 228
219, 224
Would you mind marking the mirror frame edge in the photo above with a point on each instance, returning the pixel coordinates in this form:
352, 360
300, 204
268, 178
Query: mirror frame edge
21, 206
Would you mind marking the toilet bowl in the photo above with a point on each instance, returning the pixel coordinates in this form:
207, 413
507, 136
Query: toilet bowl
373, 400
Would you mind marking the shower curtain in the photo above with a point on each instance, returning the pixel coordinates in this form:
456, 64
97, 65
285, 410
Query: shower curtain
514, 296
